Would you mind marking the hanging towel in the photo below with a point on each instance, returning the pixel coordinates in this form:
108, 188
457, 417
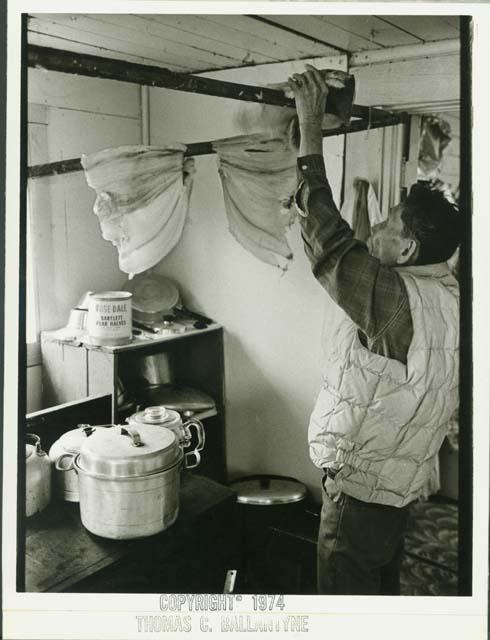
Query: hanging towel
258, 176
361, 209
142, 200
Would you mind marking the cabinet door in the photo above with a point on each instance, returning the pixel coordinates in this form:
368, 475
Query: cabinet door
64, 373
100, 372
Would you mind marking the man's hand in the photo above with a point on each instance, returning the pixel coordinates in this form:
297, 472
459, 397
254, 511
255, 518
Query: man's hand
310, 93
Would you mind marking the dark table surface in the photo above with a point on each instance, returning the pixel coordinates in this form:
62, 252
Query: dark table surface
60, 552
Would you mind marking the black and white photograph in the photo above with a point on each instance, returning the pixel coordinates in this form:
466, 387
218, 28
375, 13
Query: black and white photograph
243, 293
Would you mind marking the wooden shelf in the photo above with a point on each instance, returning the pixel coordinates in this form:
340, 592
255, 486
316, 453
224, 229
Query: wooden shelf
194, 359
136, 343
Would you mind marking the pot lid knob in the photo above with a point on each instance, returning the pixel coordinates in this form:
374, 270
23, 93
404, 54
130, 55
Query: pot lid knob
155, 415
87, 429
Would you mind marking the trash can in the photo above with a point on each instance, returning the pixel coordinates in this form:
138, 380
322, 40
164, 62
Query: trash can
265, 503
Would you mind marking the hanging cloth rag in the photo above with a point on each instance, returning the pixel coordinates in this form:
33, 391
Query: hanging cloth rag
258, 176
434, 140
142, 200
361, 209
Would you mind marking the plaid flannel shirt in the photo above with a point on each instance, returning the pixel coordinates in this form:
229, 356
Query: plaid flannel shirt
373, 295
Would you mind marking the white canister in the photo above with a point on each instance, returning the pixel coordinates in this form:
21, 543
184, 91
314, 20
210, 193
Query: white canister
109, 318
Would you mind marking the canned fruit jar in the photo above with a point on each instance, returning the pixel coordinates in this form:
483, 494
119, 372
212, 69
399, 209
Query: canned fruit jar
110, 318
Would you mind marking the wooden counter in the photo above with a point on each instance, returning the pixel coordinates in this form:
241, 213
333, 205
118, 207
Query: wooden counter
62, 555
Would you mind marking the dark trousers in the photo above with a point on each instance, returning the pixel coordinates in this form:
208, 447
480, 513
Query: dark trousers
360, 546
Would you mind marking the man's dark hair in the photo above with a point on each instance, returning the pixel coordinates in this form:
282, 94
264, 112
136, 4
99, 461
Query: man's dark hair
430, 218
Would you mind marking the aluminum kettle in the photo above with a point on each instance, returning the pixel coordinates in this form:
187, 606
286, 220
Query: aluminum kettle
38, 476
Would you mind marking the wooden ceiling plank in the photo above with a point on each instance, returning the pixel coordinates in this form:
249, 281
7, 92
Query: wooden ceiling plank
258, 49
453, 21
118, 37
168, 38
294, 45
436, 79
75, 34
46, 40
329, 33
372, 29
303, 35
197, 44
427, 28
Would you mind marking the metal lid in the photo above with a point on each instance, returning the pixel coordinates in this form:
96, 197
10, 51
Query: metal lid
110, 295
267, 490
125, 452
72, 440
157, 415
153, 293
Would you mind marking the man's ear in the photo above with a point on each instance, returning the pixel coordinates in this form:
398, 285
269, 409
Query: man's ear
408, 252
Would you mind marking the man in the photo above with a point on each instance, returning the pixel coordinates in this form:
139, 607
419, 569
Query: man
390, 383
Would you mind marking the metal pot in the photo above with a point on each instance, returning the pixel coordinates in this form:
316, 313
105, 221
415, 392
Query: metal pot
155, 369
178, 398
38, 476
129, 480
66, 481
162, 417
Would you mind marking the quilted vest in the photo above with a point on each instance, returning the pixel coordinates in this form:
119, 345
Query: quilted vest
380, 422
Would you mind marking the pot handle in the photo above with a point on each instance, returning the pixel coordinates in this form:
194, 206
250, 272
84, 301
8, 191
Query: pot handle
190, 465
70, 466
36, 441
133, 434
201, 436
87, 429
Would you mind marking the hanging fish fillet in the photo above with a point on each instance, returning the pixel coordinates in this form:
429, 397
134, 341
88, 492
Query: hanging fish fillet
142, 200
259, 178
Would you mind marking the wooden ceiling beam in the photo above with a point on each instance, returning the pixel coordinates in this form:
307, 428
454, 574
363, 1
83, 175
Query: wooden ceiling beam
205, 148
153, 76
106, 68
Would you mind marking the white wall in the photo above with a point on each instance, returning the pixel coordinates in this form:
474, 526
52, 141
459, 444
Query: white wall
69, 116
273, 322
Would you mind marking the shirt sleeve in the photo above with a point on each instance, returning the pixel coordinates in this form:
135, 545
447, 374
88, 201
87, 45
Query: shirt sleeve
373, 295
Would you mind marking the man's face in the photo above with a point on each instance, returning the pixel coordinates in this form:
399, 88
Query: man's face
386, 241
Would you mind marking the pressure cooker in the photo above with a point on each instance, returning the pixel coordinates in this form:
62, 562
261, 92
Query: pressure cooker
129, 479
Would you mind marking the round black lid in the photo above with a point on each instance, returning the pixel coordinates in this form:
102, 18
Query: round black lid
265, 490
